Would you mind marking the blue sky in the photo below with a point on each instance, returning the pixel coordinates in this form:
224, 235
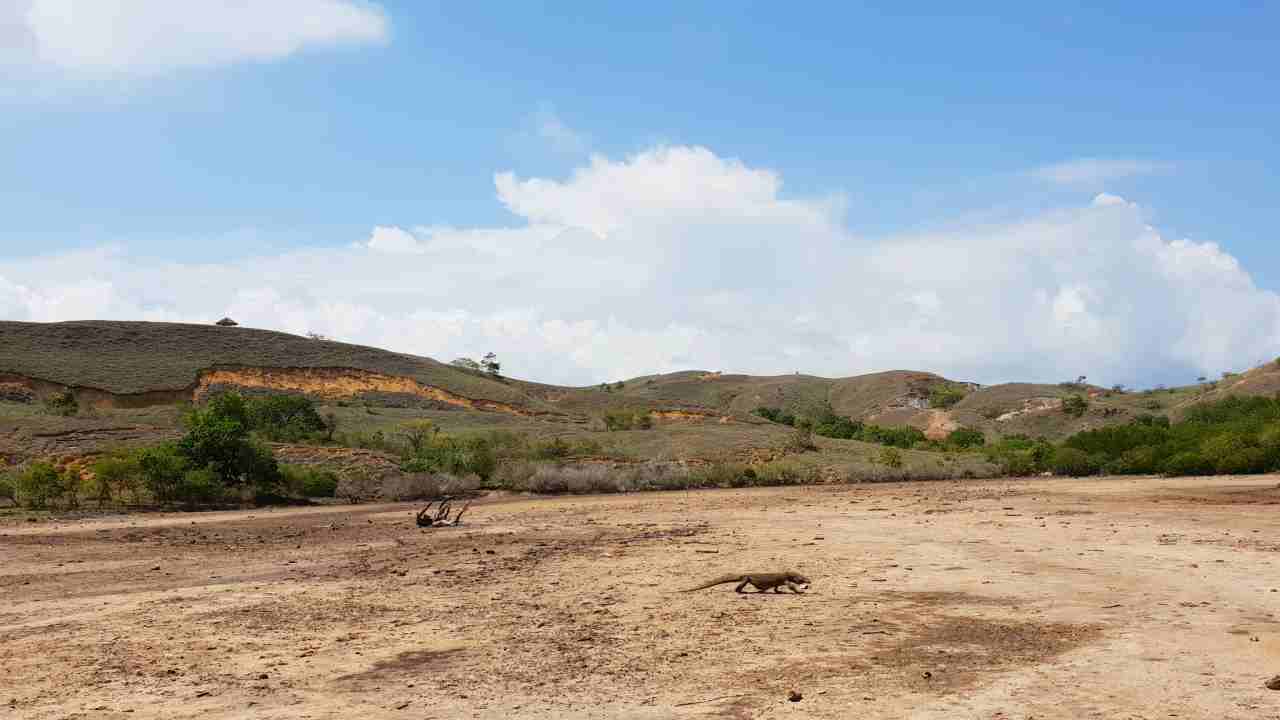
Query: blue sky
401, 115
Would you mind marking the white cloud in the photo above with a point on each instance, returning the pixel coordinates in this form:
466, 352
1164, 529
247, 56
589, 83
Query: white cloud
677, 258
1092, 172
151, 36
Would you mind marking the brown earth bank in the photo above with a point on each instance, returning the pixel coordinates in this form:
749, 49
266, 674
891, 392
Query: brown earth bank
1100, 598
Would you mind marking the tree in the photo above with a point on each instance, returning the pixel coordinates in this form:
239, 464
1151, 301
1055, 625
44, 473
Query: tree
465, 363
287, 418
491, 365
419, 434
218, 438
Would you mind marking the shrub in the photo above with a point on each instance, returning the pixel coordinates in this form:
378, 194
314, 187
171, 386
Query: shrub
991, 413
1187, 463
512, 474
801, 439
412, 486
721, 475
841, 428
1137, 461
427, 486
1075, 405
357, 485
1073, 462
456, 456
890, 457
965, 438
785, 473
41, 485
62, 403
552, 449
200, 486
163, 468
116, 475
775, 415
284, 418
308, 482
7, 489
621, 419
418, 434
945, 395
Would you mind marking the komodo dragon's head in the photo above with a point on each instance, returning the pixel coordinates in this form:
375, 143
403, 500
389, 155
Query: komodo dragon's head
797, 578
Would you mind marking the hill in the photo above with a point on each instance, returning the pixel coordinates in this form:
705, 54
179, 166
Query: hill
131, 377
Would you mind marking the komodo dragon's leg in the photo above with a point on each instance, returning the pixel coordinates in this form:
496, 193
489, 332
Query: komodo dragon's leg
794, 588
745, 581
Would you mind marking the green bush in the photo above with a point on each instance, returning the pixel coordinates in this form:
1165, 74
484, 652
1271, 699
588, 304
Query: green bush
721, 474
1187, 463
41, 486
945, 395
308, 482
62, 403
218, 438
621, 419
777, 415
1136, 461
784, 473
284, 418
890, 457
966, 438
1074, 463
1075, 405
115, 476
201, 486
163, 468
841, 428
7, 489
552, 449
455, 456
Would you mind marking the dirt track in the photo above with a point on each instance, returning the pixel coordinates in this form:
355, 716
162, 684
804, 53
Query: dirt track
1117, 598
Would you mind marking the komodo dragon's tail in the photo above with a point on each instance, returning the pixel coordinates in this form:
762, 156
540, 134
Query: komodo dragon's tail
718, 581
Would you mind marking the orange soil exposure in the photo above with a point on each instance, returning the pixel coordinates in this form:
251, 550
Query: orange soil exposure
1050, 599
940, 425
689, 416
340, 382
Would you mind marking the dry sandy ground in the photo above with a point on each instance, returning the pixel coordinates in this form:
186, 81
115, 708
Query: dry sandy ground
1116, 598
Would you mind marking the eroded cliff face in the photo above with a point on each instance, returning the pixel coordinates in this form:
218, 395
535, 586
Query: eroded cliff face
337, 383
328, 383
689, 416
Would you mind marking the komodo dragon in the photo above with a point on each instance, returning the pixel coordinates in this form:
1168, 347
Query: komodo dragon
760, 581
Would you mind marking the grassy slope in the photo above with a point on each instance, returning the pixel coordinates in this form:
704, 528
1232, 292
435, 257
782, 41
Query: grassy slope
129, 357
133, 357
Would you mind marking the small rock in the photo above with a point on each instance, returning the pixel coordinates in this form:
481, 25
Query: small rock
1274, 683
794, 696
263, 676
926, 675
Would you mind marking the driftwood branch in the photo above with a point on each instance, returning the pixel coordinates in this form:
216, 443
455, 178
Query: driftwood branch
439, 517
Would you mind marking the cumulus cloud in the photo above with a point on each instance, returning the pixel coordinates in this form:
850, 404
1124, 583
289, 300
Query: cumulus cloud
150, 36
1091, 172
678, 258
